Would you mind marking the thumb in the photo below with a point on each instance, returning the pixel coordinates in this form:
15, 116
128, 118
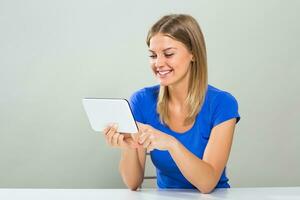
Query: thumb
141, 126
134, 136
141, 129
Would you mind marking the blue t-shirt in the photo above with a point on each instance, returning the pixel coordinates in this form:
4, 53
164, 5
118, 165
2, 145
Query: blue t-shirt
218, 107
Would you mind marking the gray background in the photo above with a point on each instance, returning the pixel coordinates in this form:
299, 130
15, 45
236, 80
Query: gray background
54, 53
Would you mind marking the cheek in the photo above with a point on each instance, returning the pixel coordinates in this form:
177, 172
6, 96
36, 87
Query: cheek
185, 61
153, 68
177, 63
152, 65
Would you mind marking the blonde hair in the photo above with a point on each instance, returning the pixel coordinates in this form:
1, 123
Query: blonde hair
185, 29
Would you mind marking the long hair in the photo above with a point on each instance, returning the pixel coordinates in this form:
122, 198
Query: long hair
185, 29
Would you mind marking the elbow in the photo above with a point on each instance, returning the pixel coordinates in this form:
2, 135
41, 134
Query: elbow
132, 184
207, 190
133, 187
208, 186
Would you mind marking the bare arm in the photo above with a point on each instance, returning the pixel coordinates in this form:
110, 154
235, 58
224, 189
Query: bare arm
132, 166
214, 159
133, 156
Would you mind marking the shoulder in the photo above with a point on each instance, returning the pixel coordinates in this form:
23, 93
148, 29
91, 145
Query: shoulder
145, 94
143, 103
215, 95
222, 105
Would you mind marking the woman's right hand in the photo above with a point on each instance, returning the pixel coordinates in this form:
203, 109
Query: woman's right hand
119, 140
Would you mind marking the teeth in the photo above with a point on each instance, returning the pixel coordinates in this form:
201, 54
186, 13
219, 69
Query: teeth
164, 72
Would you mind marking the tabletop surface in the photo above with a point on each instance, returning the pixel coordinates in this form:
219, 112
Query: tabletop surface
270, 193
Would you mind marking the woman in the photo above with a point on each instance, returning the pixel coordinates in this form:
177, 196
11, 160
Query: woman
186, 124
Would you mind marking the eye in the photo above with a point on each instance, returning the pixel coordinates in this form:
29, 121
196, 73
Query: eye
152, 56
169, 55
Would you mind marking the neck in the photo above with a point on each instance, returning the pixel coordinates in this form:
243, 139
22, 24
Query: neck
178, 92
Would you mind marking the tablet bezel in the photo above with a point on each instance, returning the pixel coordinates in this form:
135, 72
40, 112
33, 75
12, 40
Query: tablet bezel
95, 126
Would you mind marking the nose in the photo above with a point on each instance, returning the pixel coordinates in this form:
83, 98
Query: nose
160, 61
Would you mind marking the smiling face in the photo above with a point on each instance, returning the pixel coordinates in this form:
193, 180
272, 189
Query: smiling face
170, 60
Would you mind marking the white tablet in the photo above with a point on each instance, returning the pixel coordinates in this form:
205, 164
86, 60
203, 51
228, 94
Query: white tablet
103, 111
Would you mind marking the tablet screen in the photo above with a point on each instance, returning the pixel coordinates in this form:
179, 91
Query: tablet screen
103, 111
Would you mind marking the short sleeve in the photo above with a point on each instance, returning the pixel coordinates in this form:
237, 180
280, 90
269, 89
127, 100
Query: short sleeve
224, 107
135, 103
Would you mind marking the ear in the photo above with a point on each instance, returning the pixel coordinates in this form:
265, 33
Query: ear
192, 58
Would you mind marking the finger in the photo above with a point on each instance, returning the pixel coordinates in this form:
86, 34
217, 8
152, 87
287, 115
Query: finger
108, 140
141, 126
121, 140
110, 134
126, 135
138, 134
143, 137
106, 129
146, 143
135, 137
107, 136
135, 140
115, 138
115, 126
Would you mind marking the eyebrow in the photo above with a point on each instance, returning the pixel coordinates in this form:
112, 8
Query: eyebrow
163, 49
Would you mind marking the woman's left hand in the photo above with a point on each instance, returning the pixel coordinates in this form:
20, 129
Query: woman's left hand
151, 138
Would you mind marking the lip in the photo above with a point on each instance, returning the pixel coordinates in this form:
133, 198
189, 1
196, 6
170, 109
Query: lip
163, 73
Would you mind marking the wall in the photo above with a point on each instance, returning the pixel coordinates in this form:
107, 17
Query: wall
54, 53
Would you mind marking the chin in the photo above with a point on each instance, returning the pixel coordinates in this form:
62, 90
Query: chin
164, 83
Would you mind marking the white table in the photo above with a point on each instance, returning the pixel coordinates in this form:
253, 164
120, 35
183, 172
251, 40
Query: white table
276, 193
